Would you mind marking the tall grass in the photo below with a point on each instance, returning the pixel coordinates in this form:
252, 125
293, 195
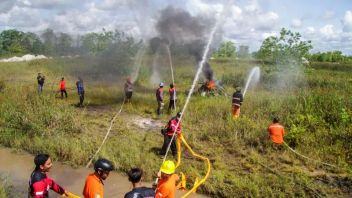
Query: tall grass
316, 113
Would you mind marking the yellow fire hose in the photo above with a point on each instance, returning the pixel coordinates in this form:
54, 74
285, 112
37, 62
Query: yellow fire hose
71, 195
197, 183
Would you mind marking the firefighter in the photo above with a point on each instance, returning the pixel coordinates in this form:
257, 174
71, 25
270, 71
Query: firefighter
40, 182
159, 98
128, 88
94, 186
62, 87
80, 91
40, 80
135, 176
167, 180
172, 92
276, 133
237, 100
170, 129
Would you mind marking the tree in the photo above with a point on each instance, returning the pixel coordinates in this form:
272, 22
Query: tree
49, 39
64, 44
243, 51
11, 41
226, 50
288, 47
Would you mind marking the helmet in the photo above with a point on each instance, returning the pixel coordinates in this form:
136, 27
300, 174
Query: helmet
168, 167
103, 164
238, 88
179, 114
161, 84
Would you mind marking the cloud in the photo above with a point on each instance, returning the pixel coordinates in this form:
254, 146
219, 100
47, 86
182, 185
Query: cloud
296, 23
6, 5
347, 21
328, 31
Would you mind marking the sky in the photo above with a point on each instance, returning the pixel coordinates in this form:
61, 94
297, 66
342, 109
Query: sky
327, 23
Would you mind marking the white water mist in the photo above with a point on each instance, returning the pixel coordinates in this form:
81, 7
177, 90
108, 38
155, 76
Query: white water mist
253, 78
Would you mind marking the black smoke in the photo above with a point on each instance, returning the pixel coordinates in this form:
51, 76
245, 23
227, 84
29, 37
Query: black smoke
178, 27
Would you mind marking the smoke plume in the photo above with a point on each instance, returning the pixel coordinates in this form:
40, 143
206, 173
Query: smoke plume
178, 27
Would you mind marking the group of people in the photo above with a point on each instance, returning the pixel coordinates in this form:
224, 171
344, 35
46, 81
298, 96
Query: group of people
62, 87
40, 183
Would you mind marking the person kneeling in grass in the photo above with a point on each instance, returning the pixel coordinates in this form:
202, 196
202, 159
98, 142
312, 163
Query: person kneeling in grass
276, 132
135, 176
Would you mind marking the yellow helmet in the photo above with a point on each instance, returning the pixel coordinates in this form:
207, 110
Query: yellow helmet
168, 167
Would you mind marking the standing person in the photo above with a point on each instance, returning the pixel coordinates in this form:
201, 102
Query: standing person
62, 86
128, 87
167, 182
80, 91
170, 129
94, 186
159, 98
276, 133
40, 80
172, 92
237, 100
135, 176
40, 182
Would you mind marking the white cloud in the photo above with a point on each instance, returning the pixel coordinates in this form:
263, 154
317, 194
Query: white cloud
268, 34
310, 30
347, 21
328, 31
296, 23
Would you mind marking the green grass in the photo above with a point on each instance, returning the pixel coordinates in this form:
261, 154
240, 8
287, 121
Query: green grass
315, 107
5, 187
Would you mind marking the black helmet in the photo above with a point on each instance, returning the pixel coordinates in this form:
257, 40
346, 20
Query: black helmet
104, 165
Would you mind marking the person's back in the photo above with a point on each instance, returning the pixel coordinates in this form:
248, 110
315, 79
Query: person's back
167, 187
135, 176
276, 132
62, 84
141, 192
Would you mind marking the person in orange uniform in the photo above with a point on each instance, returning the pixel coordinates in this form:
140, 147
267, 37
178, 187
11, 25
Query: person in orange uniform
94, 186
167, 184
276, 132
237, 99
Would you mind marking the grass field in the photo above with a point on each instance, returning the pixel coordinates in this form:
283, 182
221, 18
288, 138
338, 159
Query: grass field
313, 102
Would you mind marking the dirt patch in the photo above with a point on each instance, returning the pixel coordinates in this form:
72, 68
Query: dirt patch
144, 123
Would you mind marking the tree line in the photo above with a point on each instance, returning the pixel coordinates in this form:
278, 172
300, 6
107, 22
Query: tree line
52, 43
288, 47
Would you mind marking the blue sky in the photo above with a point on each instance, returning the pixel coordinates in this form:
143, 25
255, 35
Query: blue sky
328, 23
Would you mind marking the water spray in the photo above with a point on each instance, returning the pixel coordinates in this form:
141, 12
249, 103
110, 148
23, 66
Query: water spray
253, 78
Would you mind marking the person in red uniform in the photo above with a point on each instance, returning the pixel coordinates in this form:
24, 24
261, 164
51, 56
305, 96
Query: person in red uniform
94, 186
40, 182
276, 132
63, 88
172, 126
